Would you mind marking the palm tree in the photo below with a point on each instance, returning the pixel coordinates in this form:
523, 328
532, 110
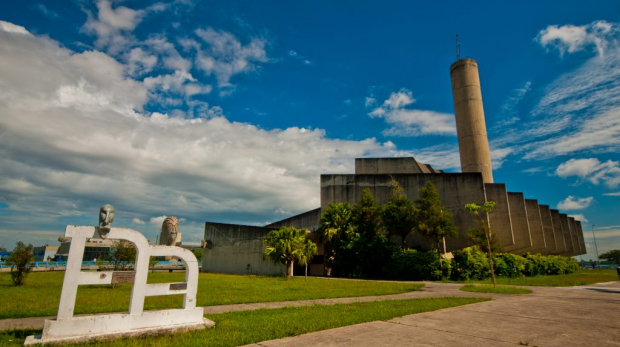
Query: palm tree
304, 255
336, 225
284, 246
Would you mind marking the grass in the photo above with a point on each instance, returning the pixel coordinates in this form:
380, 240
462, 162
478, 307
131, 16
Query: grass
579, 278
486, 288
246, 327
41, 294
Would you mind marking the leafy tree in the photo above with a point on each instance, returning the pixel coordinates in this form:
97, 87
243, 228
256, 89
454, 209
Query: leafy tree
482, 235
123, 252
21, 262
399, 214
198, 253
304, 255
434, 221
285, 245
336, 226
613, 255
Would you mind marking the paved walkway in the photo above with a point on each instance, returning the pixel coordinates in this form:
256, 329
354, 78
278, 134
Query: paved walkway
571, 316
574, 316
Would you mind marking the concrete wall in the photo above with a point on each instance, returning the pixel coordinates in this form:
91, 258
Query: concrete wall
574, 236
520, 226
499, 219
567, 238
558, 232
582, 244
234, 247
308, 220
455, 190
534, 221
547, 222
372, 166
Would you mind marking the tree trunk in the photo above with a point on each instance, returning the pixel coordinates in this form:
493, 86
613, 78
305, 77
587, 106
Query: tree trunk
403, 242
306, 276
488, 234
440, 262
289, 268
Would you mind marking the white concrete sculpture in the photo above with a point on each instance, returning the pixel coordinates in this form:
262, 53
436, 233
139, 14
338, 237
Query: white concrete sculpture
67, 327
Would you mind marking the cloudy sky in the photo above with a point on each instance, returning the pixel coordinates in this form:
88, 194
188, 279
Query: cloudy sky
229, 111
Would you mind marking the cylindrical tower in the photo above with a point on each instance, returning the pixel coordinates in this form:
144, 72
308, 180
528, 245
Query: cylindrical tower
470, 127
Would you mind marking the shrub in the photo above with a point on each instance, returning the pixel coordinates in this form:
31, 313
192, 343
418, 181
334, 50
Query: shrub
21, 262
469, 263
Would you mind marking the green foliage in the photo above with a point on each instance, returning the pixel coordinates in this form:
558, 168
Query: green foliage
21, 262
483, 236
412, 265
197, 253
399, 214
123, 252
613, 255
469, 263
434, 221
336, 228
287, 245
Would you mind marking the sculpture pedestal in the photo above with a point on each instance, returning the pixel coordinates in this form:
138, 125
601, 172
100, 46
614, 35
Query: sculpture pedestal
84, 328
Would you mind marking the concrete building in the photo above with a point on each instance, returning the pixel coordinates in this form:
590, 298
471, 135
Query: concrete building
43, 253
521, 225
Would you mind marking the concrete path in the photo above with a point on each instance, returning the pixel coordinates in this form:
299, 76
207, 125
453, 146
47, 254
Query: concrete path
574, 316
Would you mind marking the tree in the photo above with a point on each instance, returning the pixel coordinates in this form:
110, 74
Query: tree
336, 226
399, 214
285, 245
123, 253
613, 255
21, 262
304, 255
198, 253
434, 221
482, 235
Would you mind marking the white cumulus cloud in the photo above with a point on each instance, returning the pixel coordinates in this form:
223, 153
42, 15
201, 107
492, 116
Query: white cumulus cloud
575, 203
412, 122
574, 38
592, 170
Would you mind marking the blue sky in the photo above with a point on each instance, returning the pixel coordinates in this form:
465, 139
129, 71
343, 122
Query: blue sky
230, 111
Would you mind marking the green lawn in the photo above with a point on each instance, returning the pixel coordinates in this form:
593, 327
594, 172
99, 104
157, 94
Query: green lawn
488, 288
246, 327
40, 295
579, 278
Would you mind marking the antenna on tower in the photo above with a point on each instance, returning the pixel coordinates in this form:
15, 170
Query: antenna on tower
458, 48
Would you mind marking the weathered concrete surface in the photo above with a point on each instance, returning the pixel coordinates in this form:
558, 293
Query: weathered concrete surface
550, 317
558, 232
469, 113
307, 220
499, 219
237, 249
534, 222
520, 227
375, 166
582, 244
455, 190
547, 222
570, 250
574, 236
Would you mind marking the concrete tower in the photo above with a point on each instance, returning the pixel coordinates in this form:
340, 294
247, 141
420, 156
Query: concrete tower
470, 127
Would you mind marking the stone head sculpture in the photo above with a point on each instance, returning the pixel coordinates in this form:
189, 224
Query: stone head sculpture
169, 231
106, 217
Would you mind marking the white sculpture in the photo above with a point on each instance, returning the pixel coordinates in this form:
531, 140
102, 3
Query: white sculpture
66, 327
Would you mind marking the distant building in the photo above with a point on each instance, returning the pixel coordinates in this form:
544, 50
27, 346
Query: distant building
43, 253
95, 249
522, 225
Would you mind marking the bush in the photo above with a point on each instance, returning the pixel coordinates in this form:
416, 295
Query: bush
469, 263
412, 265
21, 262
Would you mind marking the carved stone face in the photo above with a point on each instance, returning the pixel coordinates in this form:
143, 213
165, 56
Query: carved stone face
169, 230
106, 217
